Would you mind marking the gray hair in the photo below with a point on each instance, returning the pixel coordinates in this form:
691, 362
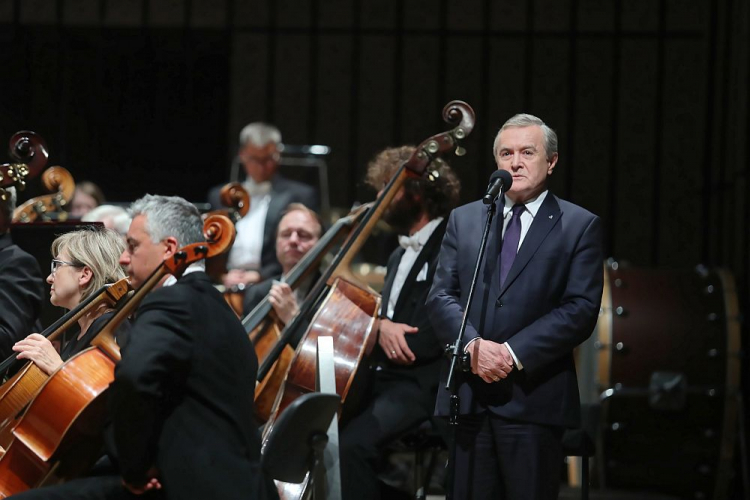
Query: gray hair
112, 216
526, 120
169, 216
8, 206
97, 248
259, 134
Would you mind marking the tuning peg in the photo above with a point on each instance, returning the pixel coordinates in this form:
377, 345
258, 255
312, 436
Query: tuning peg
460, 151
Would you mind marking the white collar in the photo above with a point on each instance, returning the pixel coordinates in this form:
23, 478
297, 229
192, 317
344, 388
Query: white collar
192, 268
419, 239
532, 205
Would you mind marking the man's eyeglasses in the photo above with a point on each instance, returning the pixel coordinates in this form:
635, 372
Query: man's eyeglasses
57, 263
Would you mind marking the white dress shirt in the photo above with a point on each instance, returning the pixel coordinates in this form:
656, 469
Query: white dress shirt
413, 246
527, 217
248, 244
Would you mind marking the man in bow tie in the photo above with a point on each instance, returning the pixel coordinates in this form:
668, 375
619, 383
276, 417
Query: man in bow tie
253, 255
537, 297
407, 360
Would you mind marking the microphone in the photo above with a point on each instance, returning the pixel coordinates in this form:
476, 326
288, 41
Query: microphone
500, 181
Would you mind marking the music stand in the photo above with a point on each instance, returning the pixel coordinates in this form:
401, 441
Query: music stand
296, 444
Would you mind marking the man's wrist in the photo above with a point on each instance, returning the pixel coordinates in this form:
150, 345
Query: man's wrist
475, 339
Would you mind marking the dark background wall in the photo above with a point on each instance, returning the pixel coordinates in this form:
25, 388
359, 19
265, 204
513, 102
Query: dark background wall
649, 97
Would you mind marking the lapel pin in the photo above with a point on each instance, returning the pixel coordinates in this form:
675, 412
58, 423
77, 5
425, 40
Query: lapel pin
551, 216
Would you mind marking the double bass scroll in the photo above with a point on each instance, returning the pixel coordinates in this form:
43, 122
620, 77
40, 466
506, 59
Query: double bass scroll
30, 153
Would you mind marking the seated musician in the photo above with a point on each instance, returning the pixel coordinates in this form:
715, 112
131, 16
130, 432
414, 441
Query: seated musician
408, 357
21, 283
252, 257
299, 230
181, 403
82, 262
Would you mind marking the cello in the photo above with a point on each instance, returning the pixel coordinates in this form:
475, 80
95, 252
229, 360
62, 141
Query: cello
263, 326
59, 437
21, 388
347, 310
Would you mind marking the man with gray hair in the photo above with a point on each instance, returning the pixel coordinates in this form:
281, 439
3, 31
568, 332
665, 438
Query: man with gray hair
253, 256
537, 298
21, 283
181, 403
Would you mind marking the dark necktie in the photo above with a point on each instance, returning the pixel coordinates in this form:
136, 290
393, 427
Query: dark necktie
510, 242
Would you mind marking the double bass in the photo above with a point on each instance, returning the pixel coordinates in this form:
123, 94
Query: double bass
59, 437
347, 310
264, 327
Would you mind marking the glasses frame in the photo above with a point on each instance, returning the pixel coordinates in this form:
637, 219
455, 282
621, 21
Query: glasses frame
56, 263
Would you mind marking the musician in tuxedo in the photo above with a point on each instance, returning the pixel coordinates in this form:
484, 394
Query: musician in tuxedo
253, 256
21, 283
537, 297
299, 230
181, 403
406, 361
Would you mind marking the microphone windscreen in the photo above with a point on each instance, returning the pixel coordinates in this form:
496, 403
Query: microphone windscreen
505, 176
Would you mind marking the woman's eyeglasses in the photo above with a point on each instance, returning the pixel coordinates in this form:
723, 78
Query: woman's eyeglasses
56, 263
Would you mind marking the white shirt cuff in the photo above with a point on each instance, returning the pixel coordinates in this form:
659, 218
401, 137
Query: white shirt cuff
515, 359
466, 347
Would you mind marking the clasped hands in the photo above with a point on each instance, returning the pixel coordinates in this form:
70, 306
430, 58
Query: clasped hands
490, 360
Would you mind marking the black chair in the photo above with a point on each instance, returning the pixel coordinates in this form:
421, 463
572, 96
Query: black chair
580, 443
296, 443
424, 442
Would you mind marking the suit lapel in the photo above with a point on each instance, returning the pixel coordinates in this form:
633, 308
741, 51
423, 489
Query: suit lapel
389, 283
546, 218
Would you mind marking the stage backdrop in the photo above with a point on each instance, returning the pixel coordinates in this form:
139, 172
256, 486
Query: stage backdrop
649, 98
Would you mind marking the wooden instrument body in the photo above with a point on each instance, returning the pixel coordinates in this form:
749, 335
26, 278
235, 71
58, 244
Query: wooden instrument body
349, 313
49, 450
16, 394
20, 389
263, 338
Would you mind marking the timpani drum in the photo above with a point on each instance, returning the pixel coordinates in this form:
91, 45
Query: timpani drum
664, 363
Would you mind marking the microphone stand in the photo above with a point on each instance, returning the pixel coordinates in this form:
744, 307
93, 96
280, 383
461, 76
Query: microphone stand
458, 357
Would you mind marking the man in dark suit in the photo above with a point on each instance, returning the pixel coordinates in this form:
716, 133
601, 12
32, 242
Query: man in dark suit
181, 404
253, 256
537, 297
299, 230
406, 362
21, 284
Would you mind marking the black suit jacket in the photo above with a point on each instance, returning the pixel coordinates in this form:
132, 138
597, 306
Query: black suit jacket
410, 309
548, 305
21, 294
182, 398
283, 192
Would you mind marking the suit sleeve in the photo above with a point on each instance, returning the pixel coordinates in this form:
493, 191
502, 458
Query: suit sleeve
152, 372
21, 291
444, 299
558, 332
